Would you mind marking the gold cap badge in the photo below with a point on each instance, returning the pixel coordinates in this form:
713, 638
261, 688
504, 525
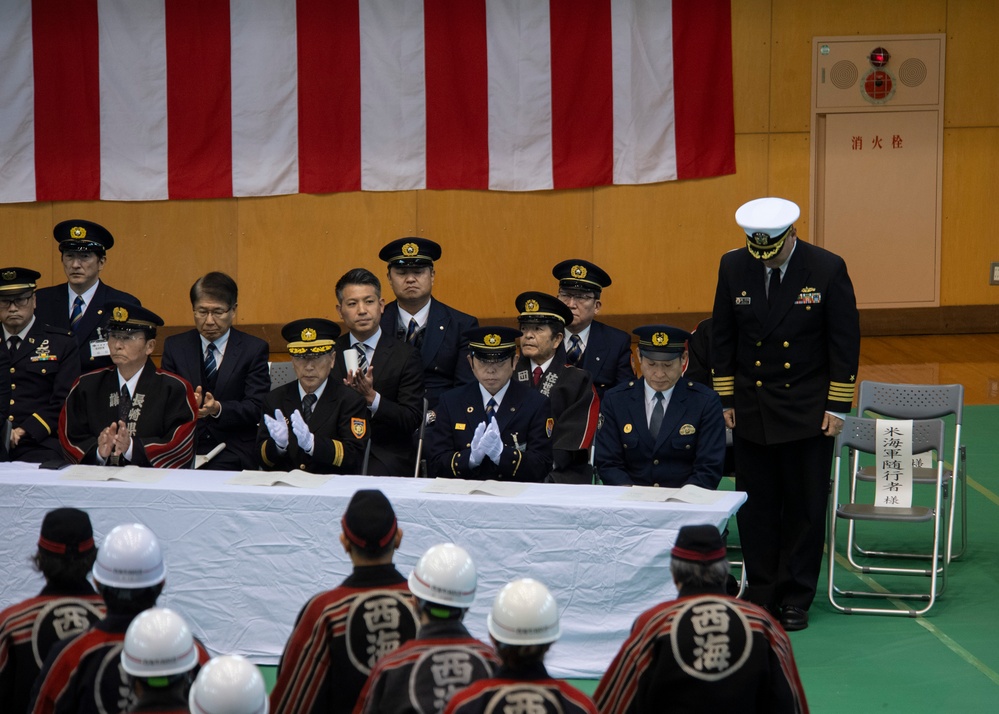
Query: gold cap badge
410, 249
578, 271
531, 306
660, 339
119, 314
78, 232
308, 334
9, 275
492, 340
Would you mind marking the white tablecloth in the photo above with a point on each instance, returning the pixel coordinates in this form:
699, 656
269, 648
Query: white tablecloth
241, 561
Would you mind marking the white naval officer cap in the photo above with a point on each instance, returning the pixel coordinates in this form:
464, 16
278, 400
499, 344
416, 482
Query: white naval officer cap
766, 222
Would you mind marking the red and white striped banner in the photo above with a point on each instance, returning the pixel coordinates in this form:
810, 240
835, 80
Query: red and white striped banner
173, 99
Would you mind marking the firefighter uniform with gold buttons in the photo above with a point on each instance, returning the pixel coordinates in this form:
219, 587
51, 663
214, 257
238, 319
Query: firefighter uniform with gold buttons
684, 443
785, 350
44, 364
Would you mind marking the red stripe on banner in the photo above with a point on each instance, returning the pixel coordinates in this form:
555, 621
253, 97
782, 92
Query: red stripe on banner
457, 89
702, 88
582, 94
329, 96
199, 99
67, 100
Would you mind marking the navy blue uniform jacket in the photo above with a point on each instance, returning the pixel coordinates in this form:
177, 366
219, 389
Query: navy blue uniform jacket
690, 447
242, 382
607, 356
525, 423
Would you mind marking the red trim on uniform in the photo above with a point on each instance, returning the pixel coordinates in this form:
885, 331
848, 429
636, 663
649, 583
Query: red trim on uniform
361, 542
61, 548
697, 555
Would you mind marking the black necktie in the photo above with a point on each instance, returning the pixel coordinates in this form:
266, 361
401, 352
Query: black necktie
13, 342
657, 416
308, 401
412, 330
211, 365
124, 404
774, 287
490, 409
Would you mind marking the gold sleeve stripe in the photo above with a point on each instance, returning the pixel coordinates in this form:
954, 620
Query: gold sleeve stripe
263, 454
337, 452
43, 423
725, 386
453, 459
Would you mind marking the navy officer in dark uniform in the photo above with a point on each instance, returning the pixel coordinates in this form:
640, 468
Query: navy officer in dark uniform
785, 349
433, 328
496, 428
662, 429
575, 405
315, 423
44, 364
602, 350
78, 304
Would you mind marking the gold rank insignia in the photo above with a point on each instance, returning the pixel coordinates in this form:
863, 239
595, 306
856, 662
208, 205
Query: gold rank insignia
660, 339
492, 339
687, 430
78, 232
119, 314
627, 429
808, 290
529, 306
459, 427
358, 427
410, 249
308, 335
578, 271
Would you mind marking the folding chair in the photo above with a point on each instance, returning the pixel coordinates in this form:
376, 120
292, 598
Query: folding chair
920, 401
421, 464
859, 436
281, 373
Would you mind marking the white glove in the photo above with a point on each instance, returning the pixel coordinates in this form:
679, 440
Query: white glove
306, 441
492, 442
478, 453
277, 427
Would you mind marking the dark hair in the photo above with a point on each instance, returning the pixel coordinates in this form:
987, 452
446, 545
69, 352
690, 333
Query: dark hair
687, 573
61, 571
517, 657
128, 601
217, 286
357, 276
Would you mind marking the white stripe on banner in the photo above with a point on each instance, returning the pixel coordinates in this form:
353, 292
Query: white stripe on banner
393, 96
518, 38
132, 45
644, 126
17, 104
264, 98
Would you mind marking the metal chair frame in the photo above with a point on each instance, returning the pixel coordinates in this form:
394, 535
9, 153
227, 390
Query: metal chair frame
919, 401
281, 373
859, 436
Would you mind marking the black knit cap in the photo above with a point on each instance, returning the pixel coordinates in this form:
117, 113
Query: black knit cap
369, 521
66, 532
701, 544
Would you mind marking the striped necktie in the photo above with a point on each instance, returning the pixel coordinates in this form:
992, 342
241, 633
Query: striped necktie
412, 330
362, 358
490, 409
211, 365
77, 314
575, 350
308, 402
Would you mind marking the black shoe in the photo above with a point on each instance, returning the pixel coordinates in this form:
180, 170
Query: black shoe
793, 618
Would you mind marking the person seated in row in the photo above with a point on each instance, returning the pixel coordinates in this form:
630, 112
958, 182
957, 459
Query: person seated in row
707, 650
423, 674
662, 429
388, 375
497, 428
66, 606
523, 624
575, 405
229, 372
436, 330
341, 634
131, 413
42, 362
315, 423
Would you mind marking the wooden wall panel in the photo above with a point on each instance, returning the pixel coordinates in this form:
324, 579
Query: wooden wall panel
661, 244
751, 48
788, 166
293, 249
497, 245
972, 92
794, 25
27, 240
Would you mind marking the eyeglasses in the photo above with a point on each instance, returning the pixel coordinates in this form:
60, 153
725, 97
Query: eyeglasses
576, 297
6, 303
218, 313
121, 336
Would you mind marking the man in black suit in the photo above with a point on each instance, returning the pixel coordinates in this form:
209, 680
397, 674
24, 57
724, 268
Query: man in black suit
78, 304
44, 364
417, 318
388, 374
228, 369
785, 349
497, 428
575, 406
602, 350
315, 423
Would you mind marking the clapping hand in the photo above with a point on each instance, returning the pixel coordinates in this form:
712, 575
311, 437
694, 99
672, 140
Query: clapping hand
277, 427
492, 442
306, 441
478, 453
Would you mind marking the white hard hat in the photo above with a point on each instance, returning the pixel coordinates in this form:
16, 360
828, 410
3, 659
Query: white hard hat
158, 643
228, 685
130, 558
445, 575
524, 613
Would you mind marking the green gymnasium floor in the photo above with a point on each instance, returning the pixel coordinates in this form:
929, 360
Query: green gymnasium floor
947, 661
